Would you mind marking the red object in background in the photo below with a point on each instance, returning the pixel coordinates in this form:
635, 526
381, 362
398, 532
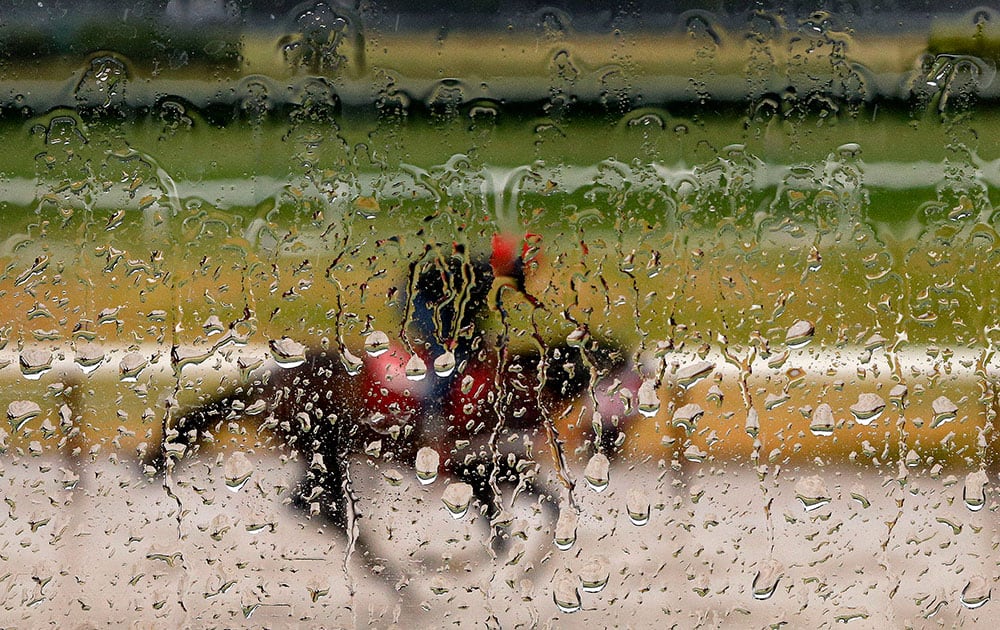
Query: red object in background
503, 256
509, 253
389, 397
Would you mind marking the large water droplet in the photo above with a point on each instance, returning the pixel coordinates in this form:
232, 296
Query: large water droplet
812, 493
376, 343
799, 334
212, 325
596, 472
35, 362
130, 366
944, 411
860, 494
694, 454
868, 408
565, 536
687, 417
766, 580
416, 369
444, 365
637, 505
20, 412
649, 401
897, 395
565, 595
287, 352
89, 357
426, 465
974, 491
351, 362
457, 497
976, 593
691, 373
237, 471
594, 574
577, 338
822, 420
753, 422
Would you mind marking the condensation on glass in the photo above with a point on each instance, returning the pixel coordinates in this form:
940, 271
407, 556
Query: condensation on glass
498, 314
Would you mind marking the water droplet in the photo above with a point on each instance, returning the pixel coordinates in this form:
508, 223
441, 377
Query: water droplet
130, 366
351, 362
393, 477
687, 417
577, 338
800, 333
376, 343
440, 585
715, 395
812, 493
444, 365
35, 362
565, 536
416, 369
594, 574
822, 420
766, 580
868, 408
649, 401
694, 454
457, 497
565, 595
976, 592
237, 471
20, 412
944, 411
637, 505
426, 465
875, 342
691, 373
287, 352
897, 395
753, 422
89, 357
213, 325
103, 84
974, 491
860, 494
596, 472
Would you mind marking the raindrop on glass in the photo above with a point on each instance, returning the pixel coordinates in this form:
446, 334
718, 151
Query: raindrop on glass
637, 505
426, 465
822, 423
457, 497
766, 580
237, 471
565, 535
976, 592
868, 408
444, 365
812, 493
799, 334
565, 595
376, 343
596, 472
594, 574
288, 353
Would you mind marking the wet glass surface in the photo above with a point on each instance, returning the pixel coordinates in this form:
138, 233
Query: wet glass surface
351, 314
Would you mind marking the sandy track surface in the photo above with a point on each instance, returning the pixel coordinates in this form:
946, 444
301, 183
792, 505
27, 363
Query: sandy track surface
117, 550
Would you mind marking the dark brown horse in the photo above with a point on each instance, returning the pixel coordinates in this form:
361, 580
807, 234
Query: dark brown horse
456, 389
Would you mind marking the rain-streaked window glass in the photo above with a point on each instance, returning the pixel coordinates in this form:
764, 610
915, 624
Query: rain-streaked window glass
498, 314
